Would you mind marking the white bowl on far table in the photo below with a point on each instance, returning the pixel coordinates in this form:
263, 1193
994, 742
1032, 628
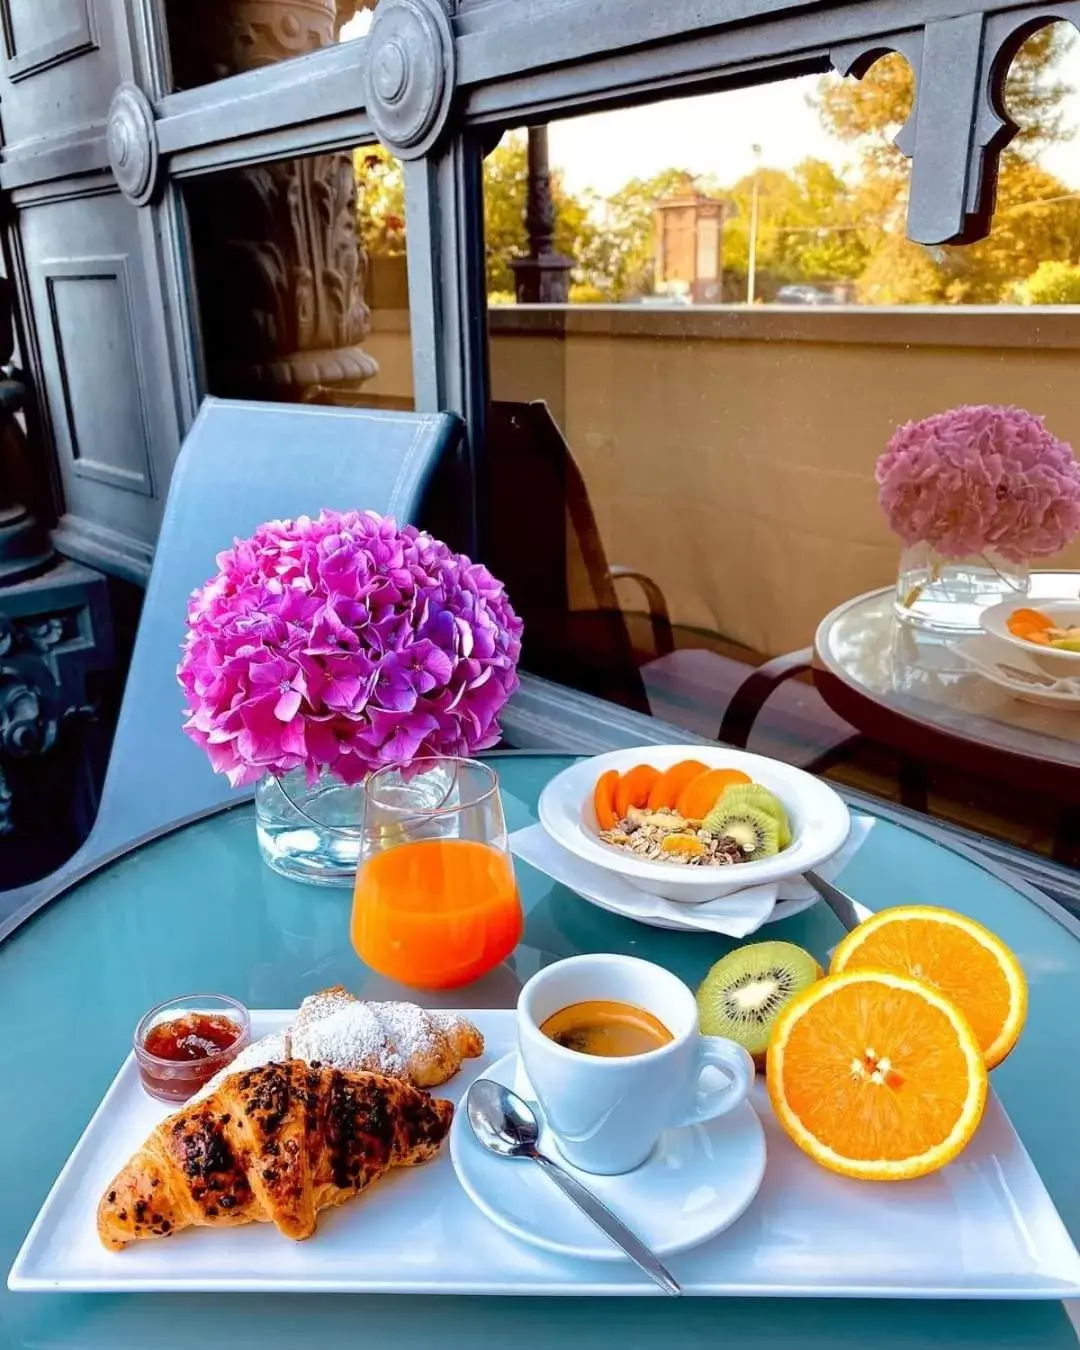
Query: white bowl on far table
1064, 613
819, 822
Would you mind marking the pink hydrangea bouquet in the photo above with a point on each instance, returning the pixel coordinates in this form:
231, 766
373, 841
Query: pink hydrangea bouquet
345, 643
981, 478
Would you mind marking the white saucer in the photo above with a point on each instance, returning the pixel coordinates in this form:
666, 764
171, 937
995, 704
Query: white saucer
1019, 674
696, 1183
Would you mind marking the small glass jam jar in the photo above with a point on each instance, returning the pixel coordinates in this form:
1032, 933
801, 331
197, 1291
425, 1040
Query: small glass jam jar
182, 1044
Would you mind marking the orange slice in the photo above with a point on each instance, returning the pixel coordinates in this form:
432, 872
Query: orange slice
876, 1075
633, 788
954, 954
604, 799
667, 788
702, 793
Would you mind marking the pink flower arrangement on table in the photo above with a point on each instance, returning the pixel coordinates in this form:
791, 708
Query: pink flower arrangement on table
980, 478
345, 643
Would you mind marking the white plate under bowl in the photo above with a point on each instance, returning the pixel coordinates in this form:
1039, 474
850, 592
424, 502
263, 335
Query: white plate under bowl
696, 1183
819, 821
995, 621
1001, 664
983, 1227
783, 909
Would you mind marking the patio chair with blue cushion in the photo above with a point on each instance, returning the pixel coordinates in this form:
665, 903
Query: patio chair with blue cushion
241, 464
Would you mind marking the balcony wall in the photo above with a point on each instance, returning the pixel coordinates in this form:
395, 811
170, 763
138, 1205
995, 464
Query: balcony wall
730, 453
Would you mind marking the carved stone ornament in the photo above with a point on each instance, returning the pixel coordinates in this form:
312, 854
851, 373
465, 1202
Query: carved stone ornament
282, 277
279, 265
213, 39
410, 74
133, 144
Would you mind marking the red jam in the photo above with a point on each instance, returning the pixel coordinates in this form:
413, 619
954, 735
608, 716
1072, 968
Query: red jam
177, 1057
194, 1036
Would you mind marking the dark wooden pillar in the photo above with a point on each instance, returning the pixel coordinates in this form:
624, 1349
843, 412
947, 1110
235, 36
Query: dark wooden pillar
543, 276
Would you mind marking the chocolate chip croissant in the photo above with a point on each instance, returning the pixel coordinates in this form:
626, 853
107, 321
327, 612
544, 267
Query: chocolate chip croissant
273, 1144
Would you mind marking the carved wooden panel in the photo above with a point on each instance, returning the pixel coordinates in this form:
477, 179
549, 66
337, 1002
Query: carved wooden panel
42, 33
107, 428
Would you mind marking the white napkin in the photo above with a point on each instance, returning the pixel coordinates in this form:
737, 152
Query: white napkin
735, 915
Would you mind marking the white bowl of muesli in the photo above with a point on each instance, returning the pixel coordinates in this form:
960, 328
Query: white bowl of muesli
668, 851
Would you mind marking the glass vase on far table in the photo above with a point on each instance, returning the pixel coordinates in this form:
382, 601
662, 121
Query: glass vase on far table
948, 595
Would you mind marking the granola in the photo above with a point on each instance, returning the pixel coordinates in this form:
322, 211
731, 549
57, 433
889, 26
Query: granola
666, 836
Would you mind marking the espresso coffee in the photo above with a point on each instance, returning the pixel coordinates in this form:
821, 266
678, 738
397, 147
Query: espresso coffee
605, 1028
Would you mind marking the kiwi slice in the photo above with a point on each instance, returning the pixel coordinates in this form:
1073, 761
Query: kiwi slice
753, 794
754, 830
743, 993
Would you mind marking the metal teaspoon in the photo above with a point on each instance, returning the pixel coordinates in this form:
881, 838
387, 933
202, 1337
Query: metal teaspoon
505, 1124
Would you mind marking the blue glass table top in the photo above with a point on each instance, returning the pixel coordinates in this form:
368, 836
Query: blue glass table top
196, 908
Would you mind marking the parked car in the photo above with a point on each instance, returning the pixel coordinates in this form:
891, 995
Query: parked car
802, 295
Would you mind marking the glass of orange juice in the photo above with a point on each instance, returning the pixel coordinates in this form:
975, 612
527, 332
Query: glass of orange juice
436, 905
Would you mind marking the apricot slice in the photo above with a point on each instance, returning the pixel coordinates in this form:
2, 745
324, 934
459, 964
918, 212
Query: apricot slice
633, 788
604, 799
688, 844
702, 793
668, 787
1022, 621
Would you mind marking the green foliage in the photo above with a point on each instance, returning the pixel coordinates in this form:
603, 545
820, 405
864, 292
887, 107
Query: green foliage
380, 200
585, 293
1052, 283
808, 227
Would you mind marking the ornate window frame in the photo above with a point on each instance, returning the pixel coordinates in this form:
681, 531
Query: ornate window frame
434, 79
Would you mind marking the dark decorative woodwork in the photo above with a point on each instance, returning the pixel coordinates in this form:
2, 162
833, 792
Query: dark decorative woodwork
543, 277
958, 125
279, 267
55, 641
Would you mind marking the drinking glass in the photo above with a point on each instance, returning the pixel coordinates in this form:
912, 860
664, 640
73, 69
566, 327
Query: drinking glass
436, 904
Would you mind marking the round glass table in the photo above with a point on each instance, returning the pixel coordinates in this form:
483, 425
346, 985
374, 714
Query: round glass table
910, 690
195, 908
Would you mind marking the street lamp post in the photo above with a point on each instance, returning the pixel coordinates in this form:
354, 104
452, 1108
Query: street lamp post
751, 267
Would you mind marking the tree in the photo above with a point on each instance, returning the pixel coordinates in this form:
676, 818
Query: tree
380, 200
1036, 218
1052, 283
807, 225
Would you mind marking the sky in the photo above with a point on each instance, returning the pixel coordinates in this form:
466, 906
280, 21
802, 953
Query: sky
707, 135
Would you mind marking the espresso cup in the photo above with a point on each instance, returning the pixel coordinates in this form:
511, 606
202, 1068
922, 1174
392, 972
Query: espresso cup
607, 1113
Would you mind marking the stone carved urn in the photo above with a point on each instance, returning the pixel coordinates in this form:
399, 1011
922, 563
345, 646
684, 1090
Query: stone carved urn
279, 266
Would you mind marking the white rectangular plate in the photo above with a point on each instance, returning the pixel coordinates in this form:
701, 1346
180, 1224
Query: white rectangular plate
982, 1228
